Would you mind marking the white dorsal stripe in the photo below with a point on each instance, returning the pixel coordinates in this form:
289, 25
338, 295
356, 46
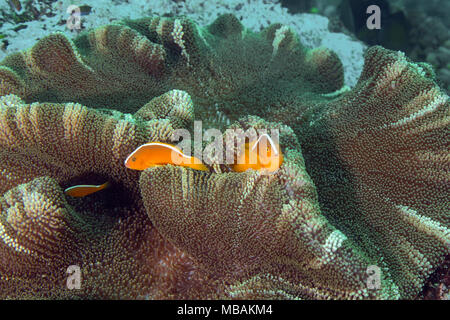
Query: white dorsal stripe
83, 186
272, 144
157, 144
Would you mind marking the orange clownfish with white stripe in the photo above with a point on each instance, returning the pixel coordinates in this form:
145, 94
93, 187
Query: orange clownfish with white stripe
83, 190
159, 153
261, 154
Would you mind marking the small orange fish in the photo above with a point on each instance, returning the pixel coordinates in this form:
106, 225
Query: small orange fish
83, 190
159, 153
262, 154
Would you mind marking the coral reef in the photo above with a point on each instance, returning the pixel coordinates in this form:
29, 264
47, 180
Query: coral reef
54, 16
46, 146
363, 183
256, 231
152, 56
432, 44
390, 137
418, 28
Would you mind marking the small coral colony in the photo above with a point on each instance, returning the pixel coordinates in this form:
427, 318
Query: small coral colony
329, 193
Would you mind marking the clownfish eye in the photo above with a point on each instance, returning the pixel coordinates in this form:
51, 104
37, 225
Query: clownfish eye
133, 159
267, 150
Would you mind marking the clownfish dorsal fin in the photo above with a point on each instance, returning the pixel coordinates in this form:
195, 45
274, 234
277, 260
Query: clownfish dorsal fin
272, 144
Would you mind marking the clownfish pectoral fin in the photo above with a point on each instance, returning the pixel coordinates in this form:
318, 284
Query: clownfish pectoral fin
159, 153
83, 190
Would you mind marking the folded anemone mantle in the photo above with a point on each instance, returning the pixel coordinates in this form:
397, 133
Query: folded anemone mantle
363, 185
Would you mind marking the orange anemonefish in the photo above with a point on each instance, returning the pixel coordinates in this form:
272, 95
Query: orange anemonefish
83, 190
261, 154
253, 156
159, 153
